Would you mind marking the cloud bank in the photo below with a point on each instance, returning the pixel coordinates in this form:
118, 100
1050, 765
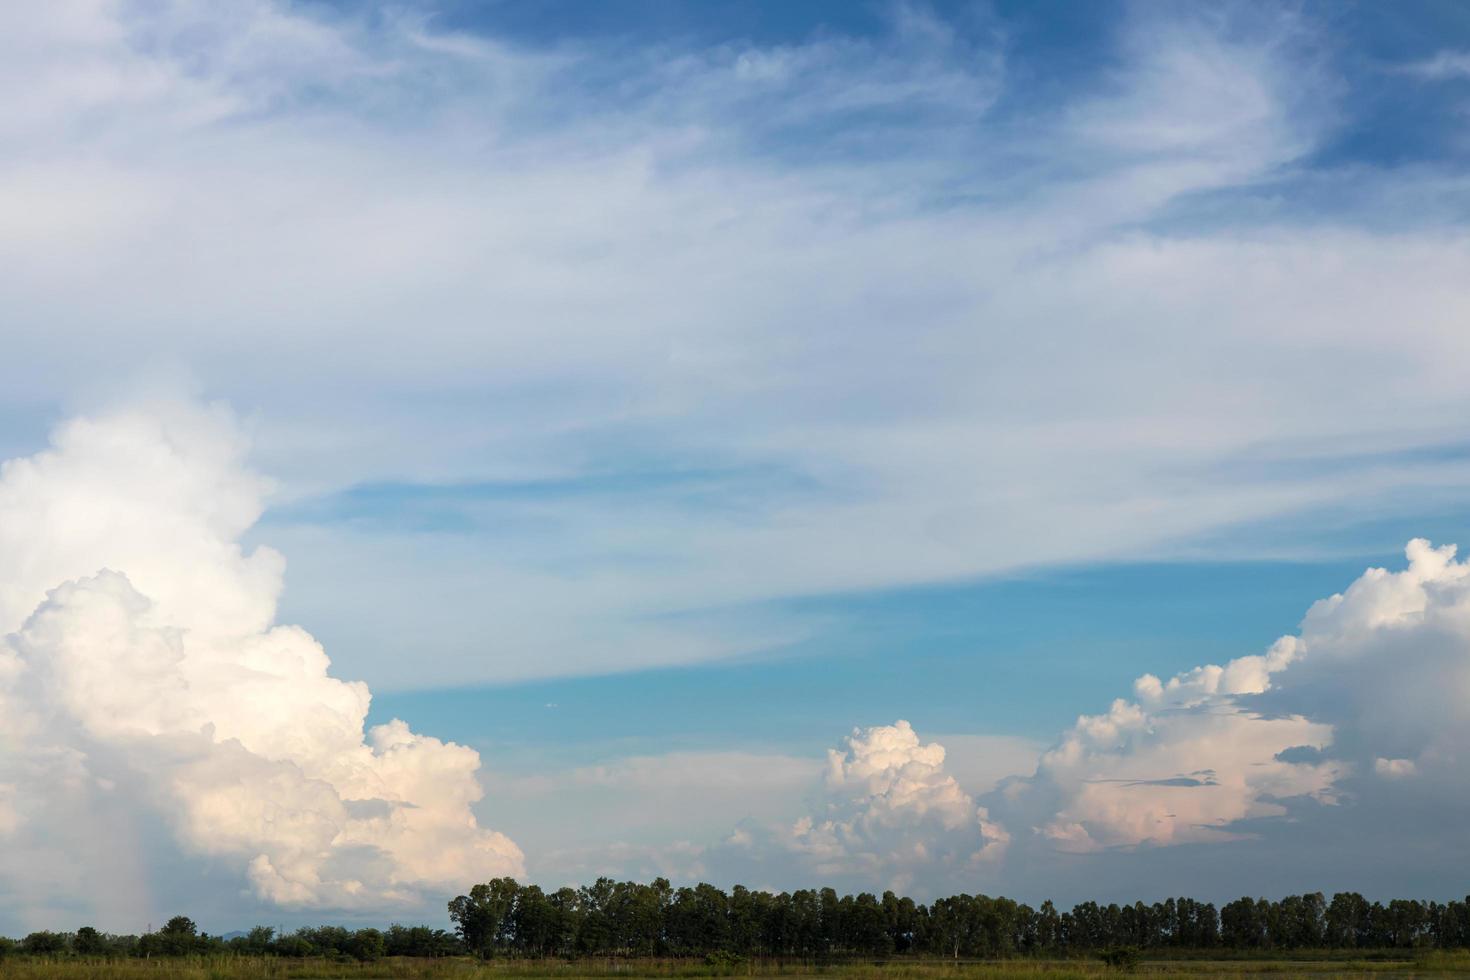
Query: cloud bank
145, 684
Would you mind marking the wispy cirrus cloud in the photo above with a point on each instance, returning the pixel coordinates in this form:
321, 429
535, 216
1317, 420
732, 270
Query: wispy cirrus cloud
1443, 66
957, 322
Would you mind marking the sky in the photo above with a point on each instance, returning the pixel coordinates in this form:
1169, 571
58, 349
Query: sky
957, 446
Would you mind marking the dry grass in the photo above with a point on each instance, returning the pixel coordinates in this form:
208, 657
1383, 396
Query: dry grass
248, 968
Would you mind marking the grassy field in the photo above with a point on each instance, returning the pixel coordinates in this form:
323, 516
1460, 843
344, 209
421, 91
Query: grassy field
244, 968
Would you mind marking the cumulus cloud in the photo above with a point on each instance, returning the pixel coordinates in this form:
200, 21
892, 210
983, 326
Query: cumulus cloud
887, 814
1164, 772
1365, 712
1387, 664
143, 681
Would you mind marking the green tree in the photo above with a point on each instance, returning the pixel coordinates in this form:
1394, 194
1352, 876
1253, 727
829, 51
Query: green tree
1347, 920
366, 945
483, 917
44, 943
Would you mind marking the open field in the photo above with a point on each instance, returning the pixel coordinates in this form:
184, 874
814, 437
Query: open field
248, 968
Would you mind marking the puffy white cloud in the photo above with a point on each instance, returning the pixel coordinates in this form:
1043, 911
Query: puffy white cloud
1387, 664
1365, 711
887, 814
1170, 775
143, 680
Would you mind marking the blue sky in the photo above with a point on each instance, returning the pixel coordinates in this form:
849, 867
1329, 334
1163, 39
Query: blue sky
1025, 654
655, 396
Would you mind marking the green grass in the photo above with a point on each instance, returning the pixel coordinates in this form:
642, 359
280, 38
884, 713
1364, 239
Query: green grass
247, 968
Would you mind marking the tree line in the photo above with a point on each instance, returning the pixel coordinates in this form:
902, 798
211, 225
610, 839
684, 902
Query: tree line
626, 918
505, 918
181, 937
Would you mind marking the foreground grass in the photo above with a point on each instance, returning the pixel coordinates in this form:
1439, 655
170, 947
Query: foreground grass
248, 968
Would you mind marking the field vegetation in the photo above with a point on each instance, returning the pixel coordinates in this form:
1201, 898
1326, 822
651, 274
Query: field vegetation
503, 929
230, 967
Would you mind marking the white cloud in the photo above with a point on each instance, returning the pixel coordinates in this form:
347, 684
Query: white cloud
1387, 664
1167, 774
888, 815
148, 684
1374, 685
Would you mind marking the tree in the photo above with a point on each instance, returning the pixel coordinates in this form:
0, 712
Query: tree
1347, 920
483, 917
88, 942
566, 904
627, 918
294, 945
1243, 924
178, 937
421, 941
366, 945
44, 943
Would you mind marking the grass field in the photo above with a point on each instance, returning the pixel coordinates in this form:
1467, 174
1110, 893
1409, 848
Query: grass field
245, 968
